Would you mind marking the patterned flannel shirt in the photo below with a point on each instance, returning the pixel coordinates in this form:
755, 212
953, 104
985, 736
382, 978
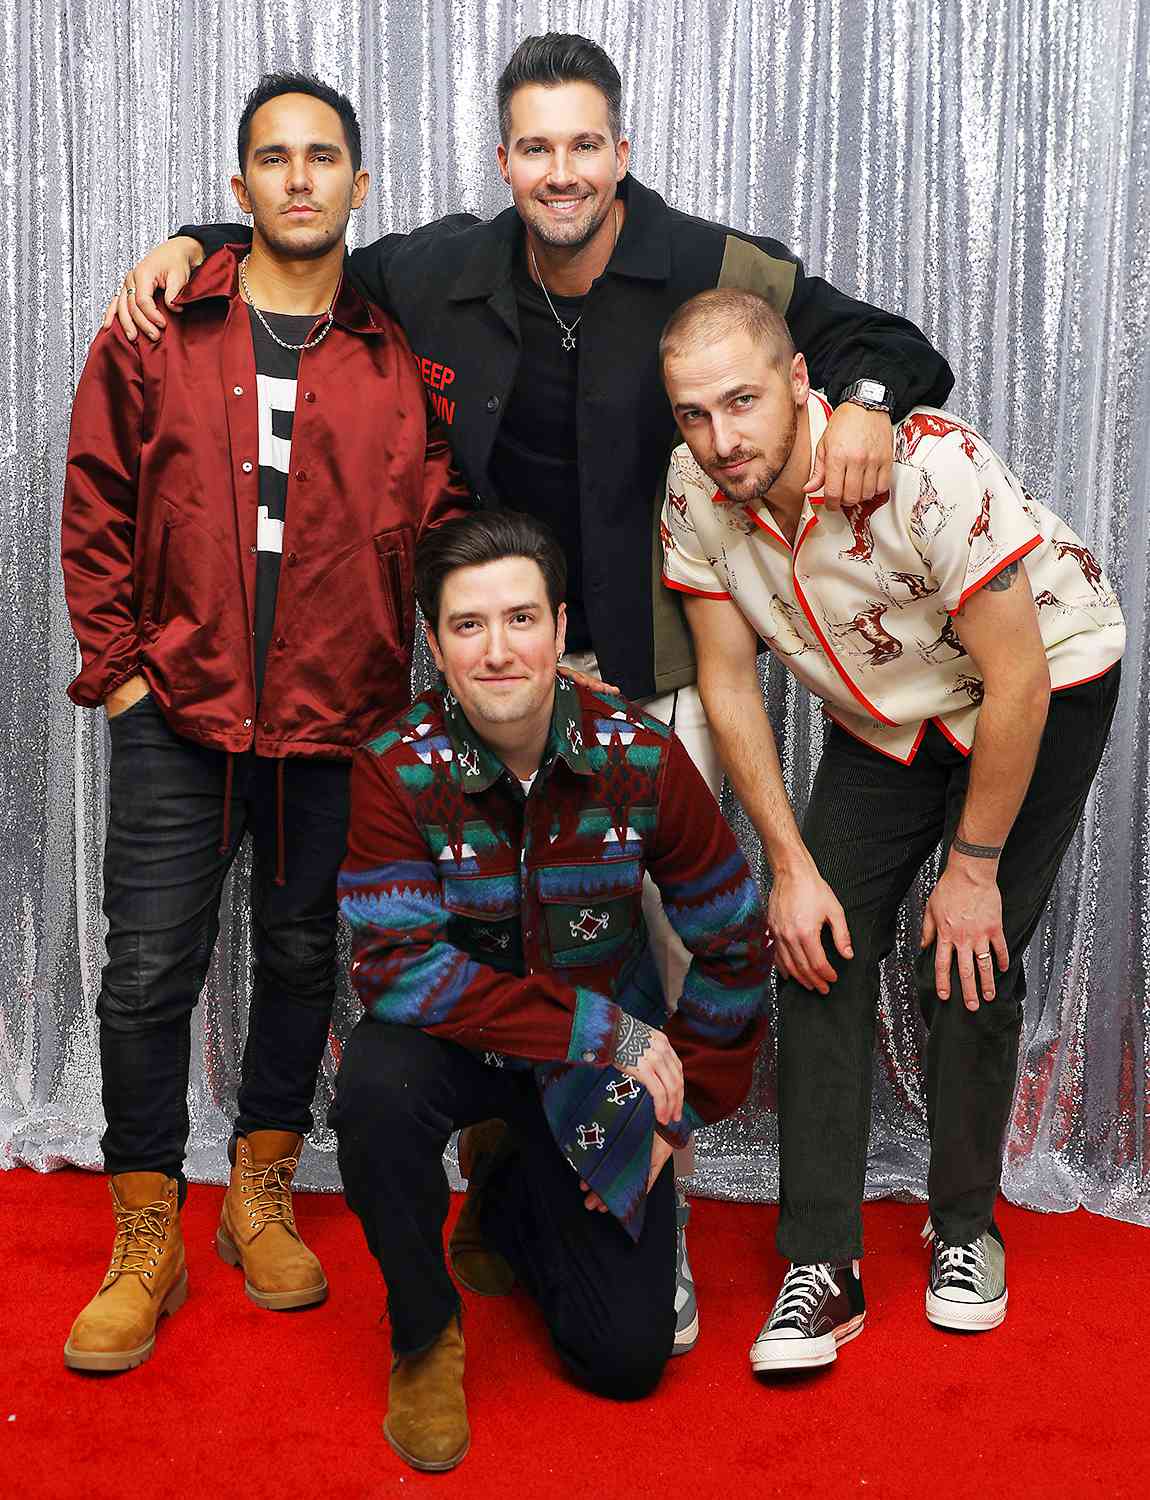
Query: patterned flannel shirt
512, 924
860, 608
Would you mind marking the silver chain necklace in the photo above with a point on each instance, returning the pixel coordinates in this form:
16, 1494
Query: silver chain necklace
272, 334
568, 328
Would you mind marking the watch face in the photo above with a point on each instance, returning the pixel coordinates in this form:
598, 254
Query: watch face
871, 390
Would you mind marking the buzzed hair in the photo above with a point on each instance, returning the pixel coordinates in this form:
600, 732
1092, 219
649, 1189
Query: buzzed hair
710, 316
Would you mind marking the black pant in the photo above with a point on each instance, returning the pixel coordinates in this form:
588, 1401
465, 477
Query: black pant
163, 873
870, 826
608, 1301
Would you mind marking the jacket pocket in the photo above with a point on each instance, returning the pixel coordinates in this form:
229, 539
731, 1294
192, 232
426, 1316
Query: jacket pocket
483, 919
160, 591
593, 912
391, 550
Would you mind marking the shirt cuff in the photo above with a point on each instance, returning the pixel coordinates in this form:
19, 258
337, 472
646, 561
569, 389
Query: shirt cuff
593, 1029
678, 1132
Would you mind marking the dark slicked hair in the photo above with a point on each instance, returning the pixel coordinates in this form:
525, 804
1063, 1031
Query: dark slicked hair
710, 316
272, 85
560, 57
486, 536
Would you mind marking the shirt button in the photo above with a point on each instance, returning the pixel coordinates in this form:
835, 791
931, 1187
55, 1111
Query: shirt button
493, 403
291, 557
246, 466
253, 549
588, 1057
247, 723
237, 390
280, 642
309, 395
301, 474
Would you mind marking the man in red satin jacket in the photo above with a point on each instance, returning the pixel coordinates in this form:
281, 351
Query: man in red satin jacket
238, 534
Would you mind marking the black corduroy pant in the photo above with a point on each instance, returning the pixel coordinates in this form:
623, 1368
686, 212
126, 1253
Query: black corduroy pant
608, 1301
870, 826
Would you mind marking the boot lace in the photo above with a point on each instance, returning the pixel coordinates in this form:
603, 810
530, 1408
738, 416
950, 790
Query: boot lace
801, 1289
267, 1196
141, 1234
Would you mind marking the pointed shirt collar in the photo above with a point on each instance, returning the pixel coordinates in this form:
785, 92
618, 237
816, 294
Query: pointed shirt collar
644, 248
480, 767
218, 276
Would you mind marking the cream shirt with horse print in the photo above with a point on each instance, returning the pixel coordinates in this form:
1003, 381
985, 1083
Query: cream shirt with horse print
860, 609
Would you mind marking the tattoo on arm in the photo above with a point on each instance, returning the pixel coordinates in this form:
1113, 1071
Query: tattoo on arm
1003, 580
976, 851
632, 1038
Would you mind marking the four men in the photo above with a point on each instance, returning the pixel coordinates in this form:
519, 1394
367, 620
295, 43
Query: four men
502, 827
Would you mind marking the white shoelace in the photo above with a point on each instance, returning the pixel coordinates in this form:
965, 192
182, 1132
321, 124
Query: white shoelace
801, 1289
956, 1262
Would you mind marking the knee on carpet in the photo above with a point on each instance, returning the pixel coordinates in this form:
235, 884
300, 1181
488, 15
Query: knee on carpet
611, 1366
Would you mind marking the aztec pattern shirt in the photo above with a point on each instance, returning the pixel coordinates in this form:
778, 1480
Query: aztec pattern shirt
860, 609
512, 924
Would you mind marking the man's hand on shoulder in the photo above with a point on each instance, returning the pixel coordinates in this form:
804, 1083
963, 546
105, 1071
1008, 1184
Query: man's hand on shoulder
645, 1054
854, 458
168, 266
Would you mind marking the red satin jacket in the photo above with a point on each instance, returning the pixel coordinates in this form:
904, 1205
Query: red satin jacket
160, 514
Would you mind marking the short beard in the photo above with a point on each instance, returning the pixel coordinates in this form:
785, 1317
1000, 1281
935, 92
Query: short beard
761, 489
570, 236
290, 249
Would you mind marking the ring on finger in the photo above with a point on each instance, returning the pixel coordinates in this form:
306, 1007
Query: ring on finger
131, 291
983, 958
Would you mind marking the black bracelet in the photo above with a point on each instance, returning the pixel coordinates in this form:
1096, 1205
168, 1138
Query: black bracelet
976, 851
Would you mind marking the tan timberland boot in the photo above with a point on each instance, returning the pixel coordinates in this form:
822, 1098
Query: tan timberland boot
426, 1420
479, 1267
257, 1224
147, 1277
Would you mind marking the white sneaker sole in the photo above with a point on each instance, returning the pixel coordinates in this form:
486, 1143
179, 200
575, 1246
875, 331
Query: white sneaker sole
976, 1317
804, 1354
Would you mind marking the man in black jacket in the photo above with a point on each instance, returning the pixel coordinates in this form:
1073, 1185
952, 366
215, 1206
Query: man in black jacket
537, 334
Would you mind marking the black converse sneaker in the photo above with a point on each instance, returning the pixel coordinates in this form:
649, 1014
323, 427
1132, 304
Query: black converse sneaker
967, 1286
819, 1307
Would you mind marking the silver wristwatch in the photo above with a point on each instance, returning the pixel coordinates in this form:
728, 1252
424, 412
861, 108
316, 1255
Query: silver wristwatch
871, 394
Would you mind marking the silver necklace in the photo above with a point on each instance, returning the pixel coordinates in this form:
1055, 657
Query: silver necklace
308, 343
568, 328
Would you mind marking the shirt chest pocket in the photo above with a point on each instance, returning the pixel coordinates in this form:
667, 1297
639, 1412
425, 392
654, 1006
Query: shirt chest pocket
592, 912
483, 919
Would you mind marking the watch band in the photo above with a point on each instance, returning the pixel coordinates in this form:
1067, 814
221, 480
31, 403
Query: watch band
871, 394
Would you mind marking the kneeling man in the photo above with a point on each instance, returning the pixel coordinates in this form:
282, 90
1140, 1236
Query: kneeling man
970, 694
500, 831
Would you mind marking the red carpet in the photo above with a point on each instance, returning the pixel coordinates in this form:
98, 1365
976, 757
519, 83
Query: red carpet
239, 1404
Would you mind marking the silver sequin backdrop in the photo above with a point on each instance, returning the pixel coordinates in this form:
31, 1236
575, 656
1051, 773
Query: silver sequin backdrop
983, 165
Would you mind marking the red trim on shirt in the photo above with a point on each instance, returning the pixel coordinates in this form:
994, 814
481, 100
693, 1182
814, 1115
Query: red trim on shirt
998, 567
1094, 676
945, 732
683, 588
825, 644
890, 755
768, 527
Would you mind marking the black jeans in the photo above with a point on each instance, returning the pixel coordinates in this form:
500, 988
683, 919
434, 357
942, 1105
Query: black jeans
870, 826
163, 873
608, 1301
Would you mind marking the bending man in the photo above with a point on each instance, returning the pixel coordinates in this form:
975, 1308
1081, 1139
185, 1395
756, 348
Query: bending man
965, 644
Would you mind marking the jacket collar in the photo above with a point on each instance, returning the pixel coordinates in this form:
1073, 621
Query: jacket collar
218, 277
480, 767
644, 248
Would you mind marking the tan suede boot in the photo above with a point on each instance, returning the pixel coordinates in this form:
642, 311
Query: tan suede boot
257, 1224
479, 1267
147, 1277
426, 1420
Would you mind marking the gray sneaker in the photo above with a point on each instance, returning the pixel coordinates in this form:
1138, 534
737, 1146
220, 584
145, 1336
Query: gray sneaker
686, 1308
967, 1286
